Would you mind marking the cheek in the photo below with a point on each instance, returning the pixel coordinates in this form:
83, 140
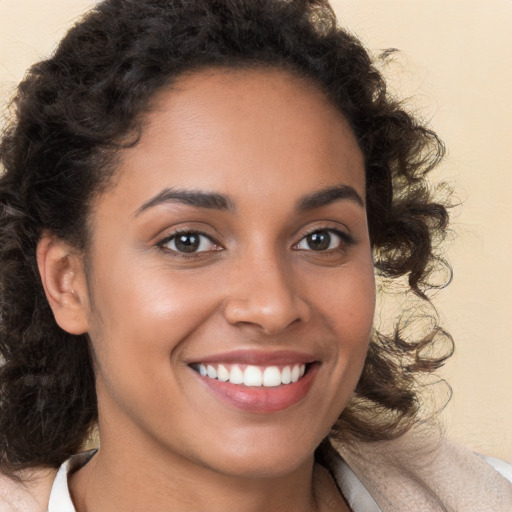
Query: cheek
152, 310
347, 307
140, 333
358, 295
347, 300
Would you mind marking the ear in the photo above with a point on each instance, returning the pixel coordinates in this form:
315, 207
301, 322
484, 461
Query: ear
64, 282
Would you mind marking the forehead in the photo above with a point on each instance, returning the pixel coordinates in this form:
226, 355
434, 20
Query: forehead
245, 131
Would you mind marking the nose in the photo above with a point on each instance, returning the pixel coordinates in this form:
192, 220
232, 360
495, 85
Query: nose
263, 294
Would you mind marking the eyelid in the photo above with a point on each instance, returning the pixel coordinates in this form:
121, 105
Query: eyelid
346, 238
172, 236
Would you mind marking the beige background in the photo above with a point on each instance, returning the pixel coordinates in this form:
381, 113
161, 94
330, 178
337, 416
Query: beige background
455, 60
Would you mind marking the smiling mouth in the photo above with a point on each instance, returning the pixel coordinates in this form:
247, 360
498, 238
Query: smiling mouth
251, 375
258, 382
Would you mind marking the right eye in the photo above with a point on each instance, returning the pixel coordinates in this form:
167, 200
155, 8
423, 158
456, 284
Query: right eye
324, 240
189, 242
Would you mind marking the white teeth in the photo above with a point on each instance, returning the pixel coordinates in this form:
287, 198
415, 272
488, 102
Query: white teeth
236, 375
212, 372
253, 376
286, 375
222, 373
271, 376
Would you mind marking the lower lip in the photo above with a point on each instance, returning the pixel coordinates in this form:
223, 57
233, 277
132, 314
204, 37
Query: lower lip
261, 399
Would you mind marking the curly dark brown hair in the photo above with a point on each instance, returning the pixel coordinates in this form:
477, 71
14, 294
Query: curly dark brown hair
72, 114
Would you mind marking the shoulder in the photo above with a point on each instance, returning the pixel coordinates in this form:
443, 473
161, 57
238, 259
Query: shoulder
502, 467
429, 470
30, 494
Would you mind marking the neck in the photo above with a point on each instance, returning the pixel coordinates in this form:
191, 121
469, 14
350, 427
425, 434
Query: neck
134, 478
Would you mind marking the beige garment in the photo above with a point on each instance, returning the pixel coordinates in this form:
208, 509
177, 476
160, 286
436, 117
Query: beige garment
411, 474
31, 496
422, 474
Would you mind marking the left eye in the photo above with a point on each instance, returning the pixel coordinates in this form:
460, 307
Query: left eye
322, 240
189, 242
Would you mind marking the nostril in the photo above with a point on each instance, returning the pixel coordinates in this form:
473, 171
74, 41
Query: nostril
272, 314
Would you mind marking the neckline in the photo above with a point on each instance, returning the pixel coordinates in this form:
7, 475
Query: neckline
356, 494
60, 498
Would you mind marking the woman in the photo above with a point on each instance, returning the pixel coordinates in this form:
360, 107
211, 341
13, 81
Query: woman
195, 200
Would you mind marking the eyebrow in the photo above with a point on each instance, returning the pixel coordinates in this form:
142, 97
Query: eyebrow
329, 195
195, 198
215, 201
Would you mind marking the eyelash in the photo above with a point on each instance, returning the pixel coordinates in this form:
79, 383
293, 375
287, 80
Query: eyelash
180, 254
345, 240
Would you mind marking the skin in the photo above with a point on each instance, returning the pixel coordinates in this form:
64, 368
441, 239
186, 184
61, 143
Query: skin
257, 286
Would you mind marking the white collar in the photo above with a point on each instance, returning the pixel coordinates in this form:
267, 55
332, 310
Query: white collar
60, 499
351, 487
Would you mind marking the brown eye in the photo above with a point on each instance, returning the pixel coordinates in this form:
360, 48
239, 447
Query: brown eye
189, 242
321, 240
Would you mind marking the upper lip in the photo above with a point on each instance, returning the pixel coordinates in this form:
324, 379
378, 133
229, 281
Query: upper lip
258, 357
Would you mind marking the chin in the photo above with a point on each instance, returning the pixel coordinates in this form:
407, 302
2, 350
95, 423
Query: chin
272, 460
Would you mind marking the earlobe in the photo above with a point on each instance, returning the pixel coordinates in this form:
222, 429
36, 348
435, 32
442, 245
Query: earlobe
63, 277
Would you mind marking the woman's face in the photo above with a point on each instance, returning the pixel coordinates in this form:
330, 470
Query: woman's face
234, 242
